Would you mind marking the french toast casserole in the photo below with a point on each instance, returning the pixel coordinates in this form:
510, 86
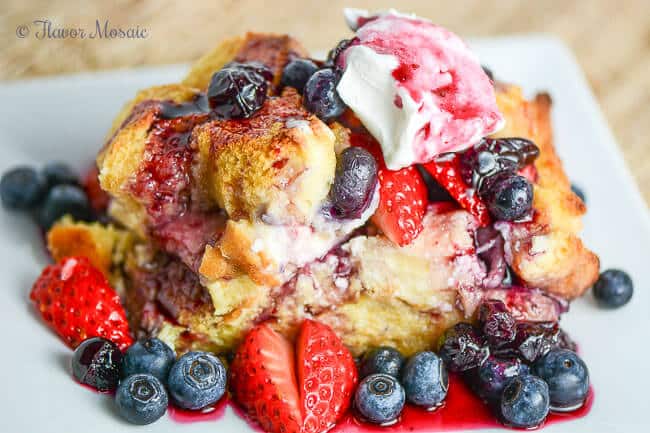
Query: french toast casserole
218, 222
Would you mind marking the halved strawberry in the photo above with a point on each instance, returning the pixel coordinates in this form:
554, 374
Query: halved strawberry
403, 196
446, 170
281, 397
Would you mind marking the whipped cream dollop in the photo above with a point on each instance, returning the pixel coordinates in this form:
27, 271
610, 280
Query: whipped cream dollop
416, 87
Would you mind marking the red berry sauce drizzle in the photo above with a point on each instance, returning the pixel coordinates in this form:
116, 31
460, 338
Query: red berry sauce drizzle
210, 413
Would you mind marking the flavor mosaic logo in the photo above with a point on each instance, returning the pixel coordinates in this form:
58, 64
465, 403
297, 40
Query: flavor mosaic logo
45, 29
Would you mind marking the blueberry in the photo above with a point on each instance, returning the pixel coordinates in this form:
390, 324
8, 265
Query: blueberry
567, 378
462, 347
150, 356
532, 341
197, 380
141, 399
22, 188
579, 192
525, 401
354, 182
297, 72
385, 360
333, 55
379, 398
59, 173
425, 380
493, 375
239, 90
97, 362
320, 95
496, 322
508, 196
613, 289
64, 200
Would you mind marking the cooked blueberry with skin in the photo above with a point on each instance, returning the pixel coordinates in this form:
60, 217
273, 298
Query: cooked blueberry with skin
425, 380
525, 401
496, 322
462, 347
59, 173
613, 289
197, 380
354, 182
508, 196
333, 55
239, 90
532, 341
320, 96
297, 72
493, 375
64, 200
141, 399
579, 192
385, 360
150, 356
379, 398
96, 362
22, 188
567, 378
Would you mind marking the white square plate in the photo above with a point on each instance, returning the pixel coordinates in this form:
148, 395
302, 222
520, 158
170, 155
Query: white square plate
66, 118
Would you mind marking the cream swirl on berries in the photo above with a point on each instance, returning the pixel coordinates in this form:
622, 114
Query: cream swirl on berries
416, 87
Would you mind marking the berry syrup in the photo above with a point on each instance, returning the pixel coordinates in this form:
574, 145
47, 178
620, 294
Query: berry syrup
207, 414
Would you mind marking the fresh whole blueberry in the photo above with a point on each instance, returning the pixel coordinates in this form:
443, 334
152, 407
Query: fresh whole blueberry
379, 398
613, 289
22, 188
150, 356
496, 322
354, 182
64, 200
579, 192
59, 173
567, 378
508, 196
96, 362
385, 360
141, 399
493, 375
320, 96
425, 380
525, 401
238, 90
297, 72
197, 380
462, 347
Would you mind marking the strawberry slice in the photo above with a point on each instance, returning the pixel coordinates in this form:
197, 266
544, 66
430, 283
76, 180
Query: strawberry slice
263, 380
75, 299
281, 397
327, 376
403, 196
446, 170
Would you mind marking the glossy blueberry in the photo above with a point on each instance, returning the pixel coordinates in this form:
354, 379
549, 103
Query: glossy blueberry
333, 55
354, 182
96, 362
297, 72
59, 173
22, 188
141, 399
379, 398
64, 200
613, 289
493, 375
567, 378
496, 322
508, 196
385, 360
525, 401
197, 380
425, 380
579, 192
462, 348
150, 356
320, 96
532, 341
239, 90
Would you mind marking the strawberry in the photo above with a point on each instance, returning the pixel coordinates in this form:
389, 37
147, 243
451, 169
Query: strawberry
446, 170
99, 199
309, 398
75, 299
402, 196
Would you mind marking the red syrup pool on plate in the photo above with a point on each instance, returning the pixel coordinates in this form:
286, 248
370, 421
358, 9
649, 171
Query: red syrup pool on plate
208, 414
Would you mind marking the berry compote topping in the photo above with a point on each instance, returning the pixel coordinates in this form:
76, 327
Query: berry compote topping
239, 89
